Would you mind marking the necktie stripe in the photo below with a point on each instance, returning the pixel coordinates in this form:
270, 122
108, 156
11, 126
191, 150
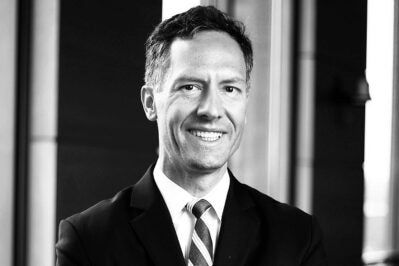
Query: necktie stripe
198, 212
200, 209
203, 233
201, 249
196, 257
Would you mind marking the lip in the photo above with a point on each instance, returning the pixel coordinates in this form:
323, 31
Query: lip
207, 129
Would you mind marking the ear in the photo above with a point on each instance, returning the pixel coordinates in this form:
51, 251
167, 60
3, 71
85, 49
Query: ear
148, 101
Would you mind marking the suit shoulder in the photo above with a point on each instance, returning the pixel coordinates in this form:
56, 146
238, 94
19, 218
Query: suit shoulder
275, 209
292, 232
104, 212
283, 223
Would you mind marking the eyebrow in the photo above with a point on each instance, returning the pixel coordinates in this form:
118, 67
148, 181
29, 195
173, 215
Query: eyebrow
234, 80
186, 78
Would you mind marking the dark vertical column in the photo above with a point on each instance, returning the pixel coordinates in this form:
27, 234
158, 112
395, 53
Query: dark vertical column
295, 24
105, 142
339, 128
24, 22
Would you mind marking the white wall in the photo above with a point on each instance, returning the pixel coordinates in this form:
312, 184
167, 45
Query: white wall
7, 107
42, 138
263, 158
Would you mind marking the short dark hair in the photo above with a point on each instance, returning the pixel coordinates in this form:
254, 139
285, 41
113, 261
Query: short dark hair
185, 26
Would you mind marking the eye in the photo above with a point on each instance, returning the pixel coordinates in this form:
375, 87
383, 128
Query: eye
189, 87
230, 89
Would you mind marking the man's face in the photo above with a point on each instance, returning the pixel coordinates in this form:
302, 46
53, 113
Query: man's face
201, 104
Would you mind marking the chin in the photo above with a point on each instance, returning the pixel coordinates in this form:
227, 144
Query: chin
207, 165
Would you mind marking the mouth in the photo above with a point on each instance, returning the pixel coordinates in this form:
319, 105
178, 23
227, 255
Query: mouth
209, 136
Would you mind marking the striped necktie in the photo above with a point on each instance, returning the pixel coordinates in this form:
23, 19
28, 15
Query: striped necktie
201, 249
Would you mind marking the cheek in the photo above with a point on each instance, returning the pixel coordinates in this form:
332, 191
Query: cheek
238, 114
175, 116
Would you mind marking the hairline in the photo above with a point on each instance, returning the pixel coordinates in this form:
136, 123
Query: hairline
165, 58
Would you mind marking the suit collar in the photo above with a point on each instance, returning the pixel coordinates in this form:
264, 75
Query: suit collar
153, 225
240, 227
145, 192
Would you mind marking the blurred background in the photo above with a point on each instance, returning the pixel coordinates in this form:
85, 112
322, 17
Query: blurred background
322, 131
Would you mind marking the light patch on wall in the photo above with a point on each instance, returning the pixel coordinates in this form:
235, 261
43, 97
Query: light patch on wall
173, 7
377, 162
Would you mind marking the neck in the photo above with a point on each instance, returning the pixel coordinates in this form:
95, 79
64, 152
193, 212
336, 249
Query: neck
197, 182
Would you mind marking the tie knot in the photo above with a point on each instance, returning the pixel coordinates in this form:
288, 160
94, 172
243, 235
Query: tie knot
199, 207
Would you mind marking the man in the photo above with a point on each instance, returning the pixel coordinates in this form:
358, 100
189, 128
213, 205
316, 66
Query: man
188, 209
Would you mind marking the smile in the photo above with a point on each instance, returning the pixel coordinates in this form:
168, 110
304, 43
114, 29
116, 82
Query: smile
207, 135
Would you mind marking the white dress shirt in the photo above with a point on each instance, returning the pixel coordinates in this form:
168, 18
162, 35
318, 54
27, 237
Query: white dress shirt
176, 199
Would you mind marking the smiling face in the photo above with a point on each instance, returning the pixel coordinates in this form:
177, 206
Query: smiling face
200, 107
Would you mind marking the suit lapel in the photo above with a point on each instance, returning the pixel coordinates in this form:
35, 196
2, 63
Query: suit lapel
154, 225
240, 227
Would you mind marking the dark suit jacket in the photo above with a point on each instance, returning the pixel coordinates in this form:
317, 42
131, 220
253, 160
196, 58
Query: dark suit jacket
135, 228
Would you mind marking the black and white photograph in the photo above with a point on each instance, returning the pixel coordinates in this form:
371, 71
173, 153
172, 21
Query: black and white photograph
199, 133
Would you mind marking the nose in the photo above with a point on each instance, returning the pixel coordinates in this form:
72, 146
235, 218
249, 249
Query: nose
210, 106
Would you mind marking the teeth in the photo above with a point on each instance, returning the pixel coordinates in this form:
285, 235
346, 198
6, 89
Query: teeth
207, 136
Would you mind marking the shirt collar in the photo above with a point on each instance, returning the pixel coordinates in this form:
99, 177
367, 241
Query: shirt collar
217, 196
176, 197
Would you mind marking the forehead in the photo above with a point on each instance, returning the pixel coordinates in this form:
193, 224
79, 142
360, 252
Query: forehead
207, 49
